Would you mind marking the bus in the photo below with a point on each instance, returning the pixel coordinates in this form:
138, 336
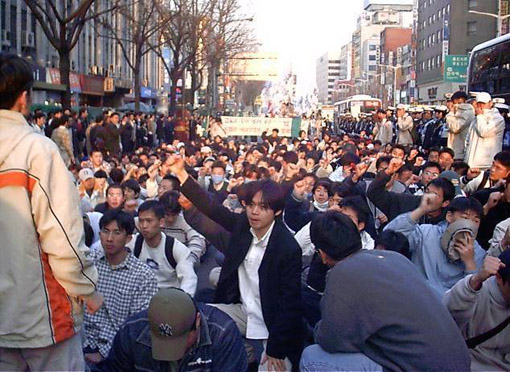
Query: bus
489, 68
356, 105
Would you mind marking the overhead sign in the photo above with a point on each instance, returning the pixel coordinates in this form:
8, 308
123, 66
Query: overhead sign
254, 126
455, 68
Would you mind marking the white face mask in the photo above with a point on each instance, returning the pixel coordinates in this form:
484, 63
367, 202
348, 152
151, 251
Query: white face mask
323, 207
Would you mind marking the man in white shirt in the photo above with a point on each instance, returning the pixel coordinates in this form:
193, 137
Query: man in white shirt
171, 263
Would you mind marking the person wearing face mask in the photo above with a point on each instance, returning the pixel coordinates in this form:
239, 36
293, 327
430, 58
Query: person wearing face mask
218, 184
320, 193
458, 122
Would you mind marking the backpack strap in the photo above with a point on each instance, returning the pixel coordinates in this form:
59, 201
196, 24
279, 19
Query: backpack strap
169, 251
138, 246
477, 340
485, 178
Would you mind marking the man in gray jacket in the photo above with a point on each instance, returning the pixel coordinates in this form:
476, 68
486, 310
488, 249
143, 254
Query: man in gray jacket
479, 303
377, 311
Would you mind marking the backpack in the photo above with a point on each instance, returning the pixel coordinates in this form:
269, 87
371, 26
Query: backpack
169, 246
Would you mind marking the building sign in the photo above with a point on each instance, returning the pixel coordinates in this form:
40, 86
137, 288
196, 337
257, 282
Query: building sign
109, 86
455, 68
504, 10
432, 93
92, 85
53, 77
147, 92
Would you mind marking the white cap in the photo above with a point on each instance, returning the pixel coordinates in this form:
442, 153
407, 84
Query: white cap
205, 149
483, 97
501, 106
441, 108
401, 106
85, 173
498, 100
180, 144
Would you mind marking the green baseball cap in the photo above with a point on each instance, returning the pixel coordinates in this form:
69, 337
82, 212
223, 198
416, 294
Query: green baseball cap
171, 314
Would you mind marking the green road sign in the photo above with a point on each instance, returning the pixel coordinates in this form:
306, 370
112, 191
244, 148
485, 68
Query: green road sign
455, 68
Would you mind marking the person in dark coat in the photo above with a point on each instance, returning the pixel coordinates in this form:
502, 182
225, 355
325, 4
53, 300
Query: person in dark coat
260, 282
111, 135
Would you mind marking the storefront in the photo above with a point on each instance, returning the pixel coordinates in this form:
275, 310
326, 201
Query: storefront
92, 90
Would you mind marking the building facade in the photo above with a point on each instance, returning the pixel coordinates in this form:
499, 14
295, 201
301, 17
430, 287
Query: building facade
100, 75
327, 72
445, 28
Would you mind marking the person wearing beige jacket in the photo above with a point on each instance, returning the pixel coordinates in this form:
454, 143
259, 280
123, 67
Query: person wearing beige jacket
459, 121
45, 275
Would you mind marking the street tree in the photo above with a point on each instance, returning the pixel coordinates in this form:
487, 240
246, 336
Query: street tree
136, 27
62, 23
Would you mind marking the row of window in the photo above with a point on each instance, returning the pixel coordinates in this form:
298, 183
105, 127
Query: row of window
431, 63
433, 18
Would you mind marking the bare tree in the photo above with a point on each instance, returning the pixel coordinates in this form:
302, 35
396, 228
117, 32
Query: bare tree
230, 33
138, 34
62, 22
183, 35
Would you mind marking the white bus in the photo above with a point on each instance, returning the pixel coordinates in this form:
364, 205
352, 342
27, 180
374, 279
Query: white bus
356, 105
489, 68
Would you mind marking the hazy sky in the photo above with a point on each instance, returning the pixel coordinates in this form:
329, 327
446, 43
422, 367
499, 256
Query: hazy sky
302, 30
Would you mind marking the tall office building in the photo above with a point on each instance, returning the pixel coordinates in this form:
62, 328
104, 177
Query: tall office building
446, 33
327, 72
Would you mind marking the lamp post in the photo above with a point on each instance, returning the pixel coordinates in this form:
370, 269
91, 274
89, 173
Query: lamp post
498, 16
395, 69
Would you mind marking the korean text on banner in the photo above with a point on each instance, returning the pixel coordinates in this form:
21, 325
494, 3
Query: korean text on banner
254, 126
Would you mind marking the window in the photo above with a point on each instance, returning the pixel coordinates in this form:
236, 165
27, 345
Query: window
433, 39
439, 60
433, 63
472, 4
439, 36
372, 47
371, 58
433, 17
472, 28
448, 9
372, 68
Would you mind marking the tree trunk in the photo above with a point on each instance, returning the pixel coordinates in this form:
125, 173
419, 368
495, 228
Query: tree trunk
173, 93
65, 69
138, 90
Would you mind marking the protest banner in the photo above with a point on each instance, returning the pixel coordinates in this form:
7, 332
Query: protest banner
254, 126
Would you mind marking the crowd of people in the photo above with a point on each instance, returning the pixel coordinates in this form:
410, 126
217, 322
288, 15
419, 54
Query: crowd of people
377, 243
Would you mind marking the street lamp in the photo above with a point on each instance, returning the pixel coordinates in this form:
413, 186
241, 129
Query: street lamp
395, 68
499, 17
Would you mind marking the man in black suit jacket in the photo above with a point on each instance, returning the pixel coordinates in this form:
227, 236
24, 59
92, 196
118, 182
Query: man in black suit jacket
260, 278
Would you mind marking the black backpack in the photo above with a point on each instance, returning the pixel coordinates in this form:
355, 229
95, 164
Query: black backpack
169, 246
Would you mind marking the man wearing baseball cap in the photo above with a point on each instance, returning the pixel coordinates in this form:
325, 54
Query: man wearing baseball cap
176, 334
485, 138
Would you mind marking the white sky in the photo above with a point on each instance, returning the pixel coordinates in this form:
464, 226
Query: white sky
302, 30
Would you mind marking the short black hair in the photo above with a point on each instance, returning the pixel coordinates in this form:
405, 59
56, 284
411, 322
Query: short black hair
15, 78
272, 194
433, 164
324, 182
116, 175
349, 158
154, 206
358, 205
39, 115
170, 202
290, 157
382, 159
461, 166
176, 184
390, 240
398, 146
463, 204
124, 220
219, 164
341, 189
335, 234
100, 173
503, 157
446, 186
132, 184
447, 150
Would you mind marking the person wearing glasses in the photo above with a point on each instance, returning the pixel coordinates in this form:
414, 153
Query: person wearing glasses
45, 274
126, 283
